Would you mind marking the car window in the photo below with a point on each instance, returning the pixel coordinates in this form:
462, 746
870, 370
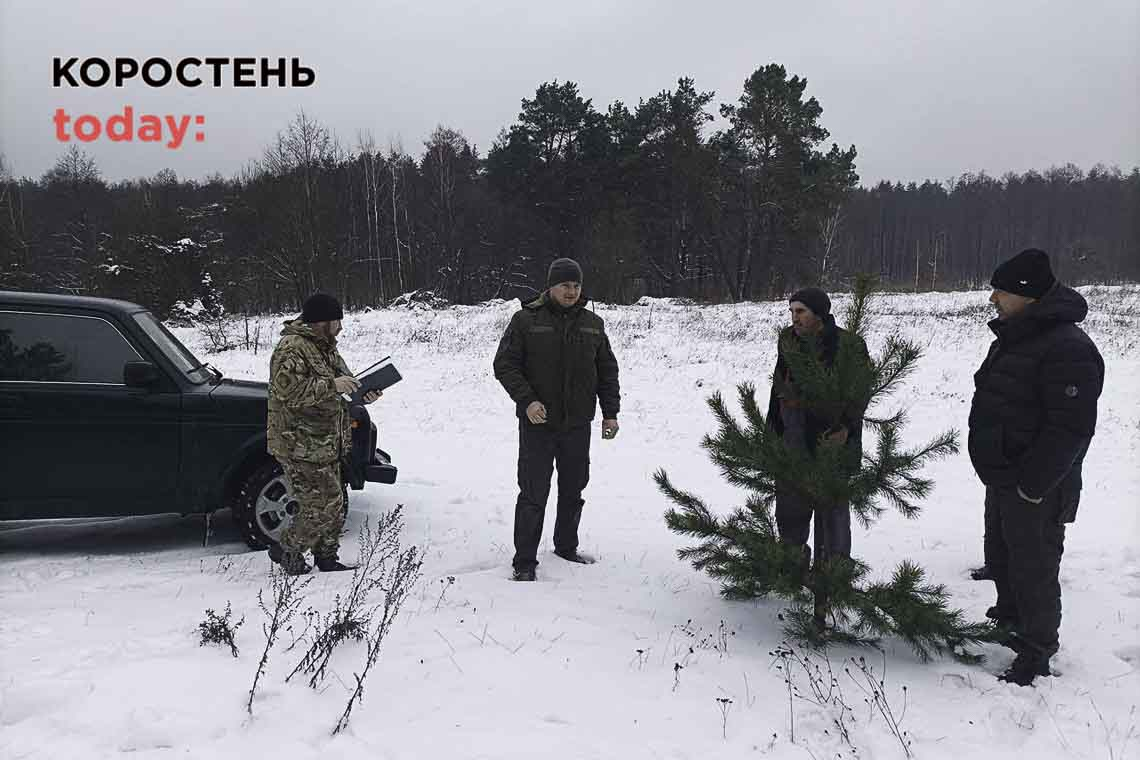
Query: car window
178, 354
62, 348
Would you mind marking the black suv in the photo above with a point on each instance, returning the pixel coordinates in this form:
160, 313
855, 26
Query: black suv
104, 412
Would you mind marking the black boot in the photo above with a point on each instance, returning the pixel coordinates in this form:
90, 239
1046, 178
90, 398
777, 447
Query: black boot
1001, 618
1026, 667
575, 556
330, 564
523, 574
1005, 624
293, 563
982, 573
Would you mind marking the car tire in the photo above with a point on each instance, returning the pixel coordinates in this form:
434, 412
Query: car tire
263, 507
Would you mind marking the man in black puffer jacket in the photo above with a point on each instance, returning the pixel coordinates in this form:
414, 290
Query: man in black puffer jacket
556, 363
1031, 422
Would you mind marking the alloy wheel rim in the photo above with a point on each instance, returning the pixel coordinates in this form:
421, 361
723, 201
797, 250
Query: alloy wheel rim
274, 508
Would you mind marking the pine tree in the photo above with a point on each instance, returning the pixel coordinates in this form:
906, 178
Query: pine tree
832, 601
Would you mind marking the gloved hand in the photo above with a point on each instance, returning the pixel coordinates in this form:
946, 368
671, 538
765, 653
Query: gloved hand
346, 384
536, 412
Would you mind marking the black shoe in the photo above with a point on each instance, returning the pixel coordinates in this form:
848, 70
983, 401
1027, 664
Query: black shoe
332, 565
523, 574
1010, 640
293, 563
1005, 629
1001, 617
1026, 667
575, 556
982, 573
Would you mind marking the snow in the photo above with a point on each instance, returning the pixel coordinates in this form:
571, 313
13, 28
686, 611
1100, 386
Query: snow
183, 310
100, 653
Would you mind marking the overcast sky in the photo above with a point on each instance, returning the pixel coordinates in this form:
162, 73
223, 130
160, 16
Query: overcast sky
923, 89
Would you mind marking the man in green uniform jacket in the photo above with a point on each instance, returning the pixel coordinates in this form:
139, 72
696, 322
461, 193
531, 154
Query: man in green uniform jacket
556, 363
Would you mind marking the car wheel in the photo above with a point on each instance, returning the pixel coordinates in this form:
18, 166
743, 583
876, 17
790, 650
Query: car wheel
264, 508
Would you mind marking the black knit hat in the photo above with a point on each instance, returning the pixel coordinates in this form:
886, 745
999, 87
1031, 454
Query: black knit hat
813, 298
563, 270
1026, 274
321, 308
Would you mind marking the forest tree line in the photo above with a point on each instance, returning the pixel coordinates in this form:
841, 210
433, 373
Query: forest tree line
650, 199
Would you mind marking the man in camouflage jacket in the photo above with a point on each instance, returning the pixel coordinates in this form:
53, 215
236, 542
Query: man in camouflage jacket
308, 432
556, 363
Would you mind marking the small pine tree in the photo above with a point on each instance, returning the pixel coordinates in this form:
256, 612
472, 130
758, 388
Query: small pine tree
832, 602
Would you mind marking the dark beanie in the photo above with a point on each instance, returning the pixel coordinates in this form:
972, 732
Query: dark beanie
813, 298
563, 270
1026, 274
321, 308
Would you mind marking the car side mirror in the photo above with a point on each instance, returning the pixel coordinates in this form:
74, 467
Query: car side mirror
140, 374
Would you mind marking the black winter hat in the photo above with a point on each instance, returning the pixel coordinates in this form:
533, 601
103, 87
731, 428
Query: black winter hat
1026, 274
321, 308
563, 270
813, 298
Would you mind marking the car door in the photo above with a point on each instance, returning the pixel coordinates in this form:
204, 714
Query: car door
78, 441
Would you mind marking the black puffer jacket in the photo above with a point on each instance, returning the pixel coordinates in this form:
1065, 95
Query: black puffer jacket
1035, 396
561, 357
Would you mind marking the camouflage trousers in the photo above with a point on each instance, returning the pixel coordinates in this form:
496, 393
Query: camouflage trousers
320, 514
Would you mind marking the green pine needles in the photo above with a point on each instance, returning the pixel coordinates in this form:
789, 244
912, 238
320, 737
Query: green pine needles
832, 601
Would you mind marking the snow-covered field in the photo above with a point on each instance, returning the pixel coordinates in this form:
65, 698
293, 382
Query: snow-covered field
99, 655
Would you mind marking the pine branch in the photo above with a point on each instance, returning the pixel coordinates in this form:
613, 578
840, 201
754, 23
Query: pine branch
896, 364
694, 519
856, 317
720, 411
752, 412
917, 612
898, 420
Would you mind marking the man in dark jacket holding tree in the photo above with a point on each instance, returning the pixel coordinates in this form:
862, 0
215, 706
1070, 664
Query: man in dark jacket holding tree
1031, 422
556, 363
813, 328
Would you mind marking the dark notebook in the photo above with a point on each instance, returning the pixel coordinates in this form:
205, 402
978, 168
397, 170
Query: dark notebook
376, 379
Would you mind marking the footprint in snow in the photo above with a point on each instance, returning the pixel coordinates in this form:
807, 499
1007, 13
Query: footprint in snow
1131, 655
